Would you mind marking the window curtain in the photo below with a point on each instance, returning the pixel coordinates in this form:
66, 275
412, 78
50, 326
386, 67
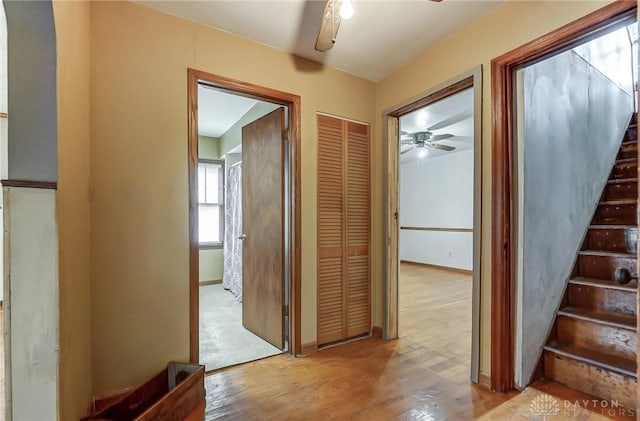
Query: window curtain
232, 276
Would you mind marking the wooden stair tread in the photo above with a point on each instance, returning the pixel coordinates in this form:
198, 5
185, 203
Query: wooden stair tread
626, 161
611, 319
612, 227
595, 358
606, 254
622, 180
601, 283
618, 202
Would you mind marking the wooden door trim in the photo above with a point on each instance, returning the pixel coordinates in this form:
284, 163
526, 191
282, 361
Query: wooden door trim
236, 87
502, 217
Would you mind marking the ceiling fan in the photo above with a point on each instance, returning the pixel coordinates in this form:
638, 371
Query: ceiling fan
423, 140
334, 12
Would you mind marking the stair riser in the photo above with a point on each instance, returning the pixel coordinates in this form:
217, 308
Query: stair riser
614, 240
628, 151
602, 299
591, 380
603, 267
611, 340
615, 215
632, 134
617, 191
625, 170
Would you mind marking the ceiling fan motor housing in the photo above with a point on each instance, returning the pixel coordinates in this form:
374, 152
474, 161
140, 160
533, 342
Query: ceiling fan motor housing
421, 137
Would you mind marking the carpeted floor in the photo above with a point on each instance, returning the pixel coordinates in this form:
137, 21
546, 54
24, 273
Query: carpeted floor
223, 339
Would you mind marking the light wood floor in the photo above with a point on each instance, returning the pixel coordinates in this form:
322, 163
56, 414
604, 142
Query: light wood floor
422, 375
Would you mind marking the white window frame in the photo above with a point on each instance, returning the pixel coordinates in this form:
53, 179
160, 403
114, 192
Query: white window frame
219, 204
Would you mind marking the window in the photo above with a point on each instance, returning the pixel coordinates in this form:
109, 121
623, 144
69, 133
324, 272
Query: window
210, 202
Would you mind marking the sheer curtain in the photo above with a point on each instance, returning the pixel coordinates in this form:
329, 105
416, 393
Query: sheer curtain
232, 276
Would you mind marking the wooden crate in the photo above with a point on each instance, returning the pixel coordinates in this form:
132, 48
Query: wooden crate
175, 394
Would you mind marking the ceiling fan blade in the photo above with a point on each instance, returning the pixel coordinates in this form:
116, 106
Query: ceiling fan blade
437, 137
441, 147
403, 133
328, 27
463, 115
406, 141
406, 151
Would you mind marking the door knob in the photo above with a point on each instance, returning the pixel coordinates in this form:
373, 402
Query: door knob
242, 237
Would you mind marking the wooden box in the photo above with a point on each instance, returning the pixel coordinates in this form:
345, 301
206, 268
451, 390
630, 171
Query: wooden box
175, 394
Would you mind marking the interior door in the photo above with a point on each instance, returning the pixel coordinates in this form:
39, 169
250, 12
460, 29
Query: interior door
263, 278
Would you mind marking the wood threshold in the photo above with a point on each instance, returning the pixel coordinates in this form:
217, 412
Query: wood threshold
437, 229
293, 102
211, 282
429, 265
49, 185
502, 167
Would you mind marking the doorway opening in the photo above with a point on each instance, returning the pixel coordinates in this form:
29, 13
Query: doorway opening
433, 223
244, 270
504, 254
575, 178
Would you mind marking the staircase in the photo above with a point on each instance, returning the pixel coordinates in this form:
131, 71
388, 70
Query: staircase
592, 347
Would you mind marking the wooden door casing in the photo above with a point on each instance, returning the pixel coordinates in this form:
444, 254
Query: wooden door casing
263, 224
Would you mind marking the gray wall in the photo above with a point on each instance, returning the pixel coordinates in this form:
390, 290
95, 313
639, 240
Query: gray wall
31, 43
574, 121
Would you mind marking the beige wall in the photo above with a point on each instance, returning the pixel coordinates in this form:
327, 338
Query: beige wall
208, 147
73, 42
211, 264
139, 237
505, 28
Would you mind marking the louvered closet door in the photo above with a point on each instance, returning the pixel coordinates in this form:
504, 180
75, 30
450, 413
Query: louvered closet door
330, 230
343, 230
358, 227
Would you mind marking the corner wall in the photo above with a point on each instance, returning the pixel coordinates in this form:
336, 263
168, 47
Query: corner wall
507, 27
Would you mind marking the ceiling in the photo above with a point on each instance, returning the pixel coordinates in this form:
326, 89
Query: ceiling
226, 108
381, 37
457, 109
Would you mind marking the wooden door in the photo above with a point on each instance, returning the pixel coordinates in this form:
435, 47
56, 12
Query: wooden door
344, 226
330, 230
358, 218
263, 279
